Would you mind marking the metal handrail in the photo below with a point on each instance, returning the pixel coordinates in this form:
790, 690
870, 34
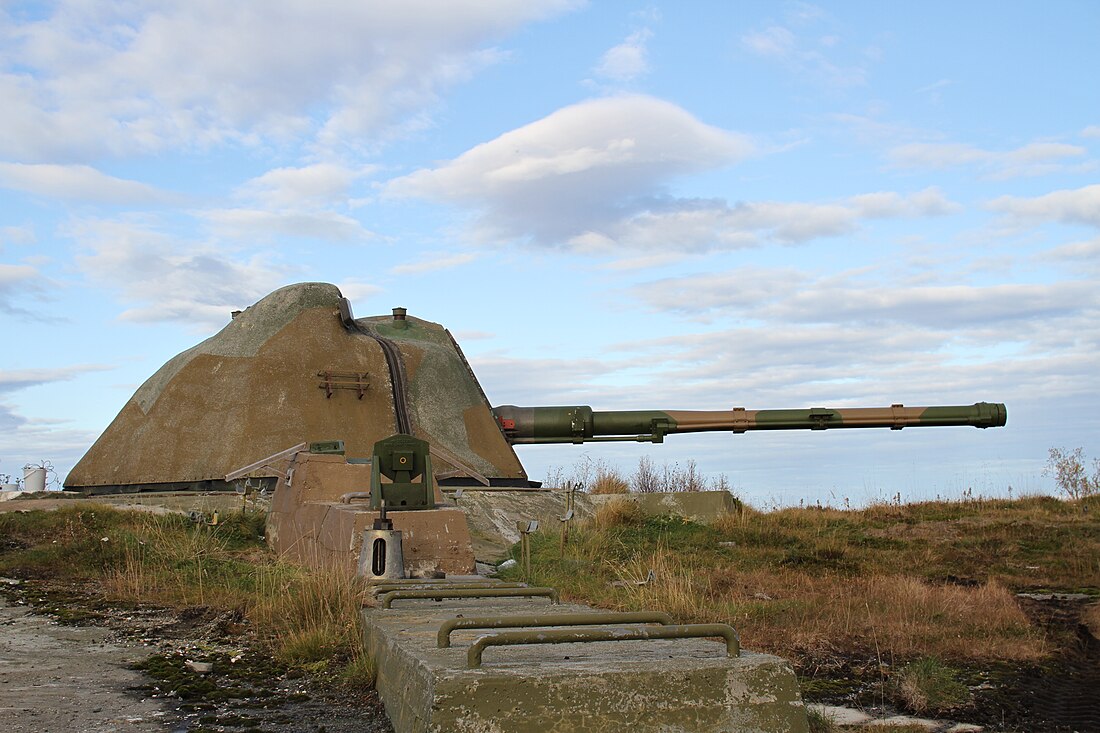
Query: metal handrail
381, 588
443, 638
570, 636
439, 595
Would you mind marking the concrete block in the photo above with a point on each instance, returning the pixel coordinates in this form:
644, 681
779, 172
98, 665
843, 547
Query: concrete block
637, 686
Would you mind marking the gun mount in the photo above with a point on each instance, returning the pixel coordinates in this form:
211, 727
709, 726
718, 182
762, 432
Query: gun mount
532, 425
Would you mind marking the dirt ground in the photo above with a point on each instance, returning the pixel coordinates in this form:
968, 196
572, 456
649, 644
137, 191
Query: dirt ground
85, 678
70, 678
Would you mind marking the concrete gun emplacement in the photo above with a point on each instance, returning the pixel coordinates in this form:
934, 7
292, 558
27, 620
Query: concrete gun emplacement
580, 424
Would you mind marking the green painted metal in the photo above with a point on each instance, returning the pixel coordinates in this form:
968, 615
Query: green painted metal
572, 636
335, 447
580, 424
439, 595
443, 638
407, 463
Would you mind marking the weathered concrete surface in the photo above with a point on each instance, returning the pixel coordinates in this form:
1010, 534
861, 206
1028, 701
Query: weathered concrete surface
493, 514
637, 686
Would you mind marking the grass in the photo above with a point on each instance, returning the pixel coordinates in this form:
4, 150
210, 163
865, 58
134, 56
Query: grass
304, 618
927, 685
891, 583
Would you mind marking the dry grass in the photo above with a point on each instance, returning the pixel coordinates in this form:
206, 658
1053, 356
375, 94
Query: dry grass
662, 583
892, 583
307, 618
617, 513
608, 480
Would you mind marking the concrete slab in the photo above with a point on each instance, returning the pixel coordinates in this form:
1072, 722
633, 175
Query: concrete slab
661, 686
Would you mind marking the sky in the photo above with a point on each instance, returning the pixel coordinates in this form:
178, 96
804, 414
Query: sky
690, 205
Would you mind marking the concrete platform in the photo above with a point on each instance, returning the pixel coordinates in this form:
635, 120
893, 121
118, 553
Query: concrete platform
663, 686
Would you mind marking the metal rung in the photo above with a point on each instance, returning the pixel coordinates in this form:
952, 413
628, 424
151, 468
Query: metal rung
570, 636
443, 638
439, 595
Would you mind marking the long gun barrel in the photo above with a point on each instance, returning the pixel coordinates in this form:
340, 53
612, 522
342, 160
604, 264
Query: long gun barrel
525, 425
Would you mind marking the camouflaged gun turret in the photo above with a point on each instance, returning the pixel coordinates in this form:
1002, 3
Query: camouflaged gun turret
298, 367
526, 425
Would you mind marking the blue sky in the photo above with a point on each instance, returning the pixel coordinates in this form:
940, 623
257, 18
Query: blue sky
684, 205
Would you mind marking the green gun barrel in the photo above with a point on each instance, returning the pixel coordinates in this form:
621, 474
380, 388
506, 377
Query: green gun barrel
525, 425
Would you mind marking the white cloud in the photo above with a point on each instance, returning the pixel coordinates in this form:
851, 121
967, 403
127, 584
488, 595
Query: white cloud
779, 43
626, 61
17, 282
356, 290
17, 235
589, 177
1029, 160
12, 380
305, 201
1091, 131
18, 433
791, 297
85, 79
247, 224
433, 263
774, 41
1068, 206
76, 182
170, 279
293, 187
575, 170
1088, 251
699, 226
782, 336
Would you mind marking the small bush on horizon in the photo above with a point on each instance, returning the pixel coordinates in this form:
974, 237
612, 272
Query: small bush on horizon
1068, 470
608, 480
602, 477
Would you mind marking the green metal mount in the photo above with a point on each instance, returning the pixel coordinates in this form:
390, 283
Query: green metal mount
333, 447
406, 464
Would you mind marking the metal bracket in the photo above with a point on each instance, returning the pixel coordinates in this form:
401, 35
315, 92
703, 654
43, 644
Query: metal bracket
820, 418
330, 380
740, 420
896, 411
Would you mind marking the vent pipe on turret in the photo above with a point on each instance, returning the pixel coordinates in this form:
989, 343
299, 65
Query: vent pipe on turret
399, 318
